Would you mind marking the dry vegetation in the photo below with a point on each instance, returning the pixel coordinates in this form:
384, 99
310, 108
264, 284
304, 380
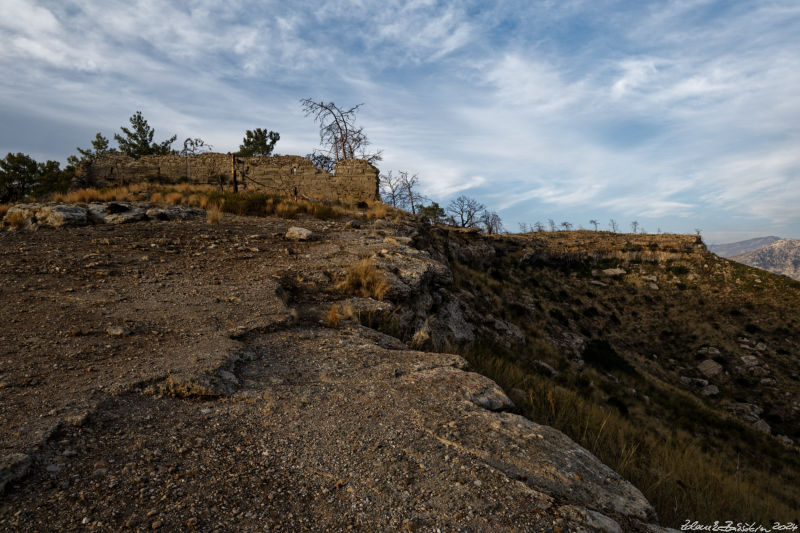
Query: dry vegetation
675, 470
213, 214
14, 220
246, 203
364, 279
333, 317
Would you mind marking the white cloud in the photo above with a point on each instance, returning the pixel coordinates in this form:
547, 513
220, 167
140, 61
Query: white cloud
636, 72
668, 110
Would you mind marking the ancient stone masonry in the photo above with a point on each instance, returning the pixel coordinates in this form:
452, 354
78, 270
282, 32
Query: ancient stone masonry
352, 180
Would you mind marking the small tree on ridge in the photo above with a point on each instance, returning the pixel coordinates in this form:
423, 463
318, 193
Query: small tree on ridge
138, 140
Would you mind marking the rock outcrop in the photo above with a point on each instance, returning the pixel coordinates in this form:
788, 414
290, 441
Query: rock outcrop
32, 216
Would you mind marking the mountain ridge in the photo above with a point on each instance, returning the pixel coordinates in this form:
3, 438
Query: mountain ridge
731, 249
780, 257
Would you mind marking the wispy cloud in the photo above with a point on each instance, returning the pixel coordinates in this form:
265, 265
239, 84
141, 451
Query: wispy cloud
668, 112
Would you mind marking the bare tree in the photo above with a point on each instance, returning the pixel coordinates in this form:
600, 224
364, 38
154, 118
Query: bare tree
523, 227
552, 224
194, 147
413, 197
539, 227
635, 226
566, 225
613, 225
593, 222
492, 222
392, 190
338, 133
321, 161
465, 211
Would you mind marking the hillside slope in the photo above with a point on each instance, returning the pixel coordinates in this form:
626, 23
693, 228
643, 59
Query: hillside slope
226, 376
672, 365
780, 257
729, 250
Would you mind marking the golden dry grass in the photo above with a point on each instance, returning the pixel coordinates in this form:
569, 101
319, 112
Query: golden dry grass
247, 203
175, 198
286, 210
81, 196
213, 214
364, 279
333, 317
4, 209
15, 219
377, 210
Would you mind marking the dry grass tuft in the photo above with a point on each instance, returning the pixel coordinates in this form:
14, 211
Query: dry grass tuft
4, 209
377, 210
286, 210
333, 317
213, 214
194, 200
15, 219
81, 196
364, 279
175, 198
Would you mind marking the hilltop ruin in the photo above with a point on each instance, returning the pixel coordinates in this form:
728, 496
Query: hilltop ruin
353, 180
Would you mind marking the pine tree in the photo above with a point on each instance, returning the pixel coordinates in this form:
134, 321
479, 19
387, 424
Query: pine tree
258, 142
138, 140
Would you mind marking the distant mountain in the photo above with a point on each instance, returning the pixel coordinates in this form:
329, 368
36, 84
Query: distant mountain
780, 257
741, 247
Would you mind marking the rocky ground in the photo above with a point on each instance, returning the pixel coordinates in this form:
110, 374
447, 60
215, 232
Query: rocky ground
183, 375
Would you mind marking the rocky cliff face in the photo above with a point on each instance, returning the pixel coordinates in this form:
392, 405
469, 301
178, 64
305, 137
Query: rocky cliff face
780, 257
178, 375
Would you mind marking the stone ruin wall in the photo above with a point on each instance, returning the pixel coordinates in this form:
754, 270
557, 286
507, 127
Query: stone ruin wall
353, 180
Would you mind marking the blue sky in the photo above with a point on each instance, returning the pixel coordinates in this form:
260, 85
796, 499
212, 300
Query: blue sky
678, 114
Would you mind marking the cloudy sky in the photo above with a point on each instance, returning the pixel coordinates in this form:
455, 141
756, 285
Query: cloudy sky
679, 114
